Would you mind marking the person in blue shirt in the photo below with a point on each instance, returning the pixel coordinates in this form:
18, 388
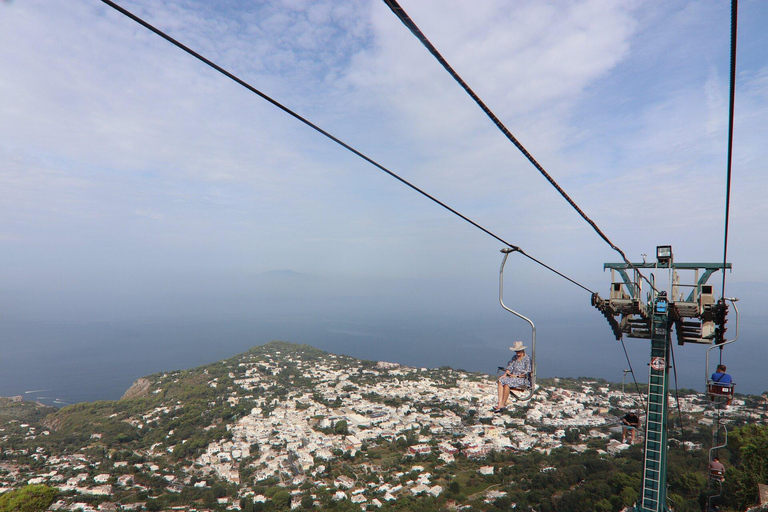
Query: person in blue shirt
721, 385
720, 377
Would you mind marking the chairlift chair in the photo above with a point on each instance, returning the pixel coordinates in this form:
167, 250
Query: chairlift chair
721, 393
532, 376
717, 474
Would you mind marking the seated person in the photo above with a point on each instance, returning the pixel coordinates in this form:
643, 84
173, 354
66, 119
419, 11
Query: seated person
720, 377
716, 470
630, 423
516, 375
722, 383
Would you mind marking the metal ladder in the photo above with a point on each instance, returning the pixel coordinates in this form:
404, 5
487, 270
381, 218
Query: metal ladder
653, 489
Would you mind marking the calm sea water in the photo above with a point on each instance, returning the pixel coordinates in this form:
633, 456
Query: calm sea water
62, 363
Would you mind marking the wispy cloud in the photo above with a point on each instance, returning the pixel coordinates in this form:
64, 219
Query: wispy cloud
109, 132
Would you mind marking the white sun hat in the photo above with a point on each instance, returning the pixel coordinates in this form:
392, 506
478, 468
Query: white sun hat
518, 346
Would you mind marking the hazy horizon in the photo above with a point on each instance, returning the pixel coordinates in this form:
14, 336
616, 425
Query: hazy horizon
154, 214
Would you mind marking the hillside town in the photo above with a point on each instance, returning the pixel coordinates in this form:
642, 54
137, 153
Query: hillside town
330, 409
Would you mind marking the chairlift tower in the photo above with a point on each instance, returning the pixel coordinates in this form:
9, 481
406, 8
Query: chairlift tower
697, 318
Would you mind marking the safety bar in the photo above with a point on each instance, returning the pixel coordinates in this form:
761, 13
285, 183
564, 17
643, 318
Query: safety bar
524, 398
707, 380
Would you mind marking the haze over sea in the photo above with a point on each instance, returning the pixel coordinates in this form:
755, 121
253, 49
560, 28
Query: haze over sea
67, 362
148, 204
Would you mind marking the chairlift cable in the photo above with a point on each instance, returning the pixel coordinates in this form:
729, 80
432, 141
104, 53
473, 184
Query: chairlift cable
551, 269
315, 127
677, 397
637, 388
411, 25
734, 23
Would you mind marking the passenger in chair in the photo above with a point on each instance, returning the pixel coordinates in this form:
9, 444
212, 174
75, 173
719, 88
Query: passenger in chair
717, 470
516, 375
722, 379
629, 423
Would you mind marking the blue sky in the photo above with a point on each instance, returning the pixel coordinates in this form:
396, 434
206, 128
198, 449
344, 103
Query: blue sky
138, 185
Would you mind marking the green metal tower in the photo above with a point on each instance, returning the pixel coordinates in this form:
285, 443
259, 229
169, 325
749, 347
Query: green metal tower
653, 491
697, 318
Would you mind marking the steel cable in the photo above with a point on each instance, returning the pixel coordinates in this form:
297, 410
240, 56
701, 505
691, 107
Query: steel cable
734, 23
341, 143
677, 397
411, 25
632, 371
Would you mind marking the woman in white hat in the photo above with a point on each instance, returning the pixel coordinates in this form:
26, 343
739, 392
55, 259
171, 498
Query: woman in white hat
516, 375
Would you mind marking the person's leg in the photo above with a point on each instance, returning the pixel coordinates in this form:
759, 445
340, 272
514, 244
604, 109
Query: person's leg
632, 435
501, 395
506, 396
623, 434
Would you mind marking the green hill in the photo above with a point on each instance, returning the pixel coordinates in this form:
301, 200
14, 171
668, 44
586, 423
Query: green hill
285, 424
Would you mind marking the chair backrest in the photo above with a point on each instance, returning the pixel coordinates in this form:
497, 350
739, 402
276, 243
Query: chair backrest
720, 389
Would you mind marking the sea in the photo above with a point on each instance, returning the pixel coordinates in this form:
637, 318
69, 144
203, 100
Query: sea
61, 363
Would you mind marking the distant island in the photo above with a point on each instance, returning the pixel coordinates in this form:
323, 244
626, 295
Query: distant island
290, 427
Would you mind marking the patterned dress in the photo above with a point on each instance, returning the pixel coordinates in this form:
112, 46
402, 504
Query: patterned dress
518, 366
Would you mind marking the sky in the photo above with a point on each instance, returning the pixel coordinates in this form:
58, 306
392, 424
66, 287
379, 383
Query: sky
139, 189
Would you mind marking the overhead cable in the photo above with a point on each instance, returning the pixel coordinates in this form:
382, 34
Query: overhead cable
632, 372
677, 397
408, 22
734, 20
346, 146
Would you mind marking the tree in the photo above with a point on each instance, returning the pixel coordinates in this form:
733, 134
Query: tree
282, 500
572, 435
32, 498
219, 491
750, 457
341, 427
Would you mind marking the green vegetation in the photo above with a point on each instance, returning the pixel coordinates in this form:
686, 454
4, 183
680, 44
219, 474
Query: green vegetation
32, 498
748, 455
157, 440
16, 409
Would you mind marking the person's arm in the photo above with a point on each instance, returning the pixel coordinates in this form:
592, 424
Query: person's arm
521, 367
